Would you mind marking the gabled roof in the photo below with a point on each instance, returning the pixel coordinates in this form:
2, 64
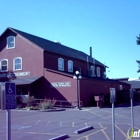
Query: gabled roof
57, 48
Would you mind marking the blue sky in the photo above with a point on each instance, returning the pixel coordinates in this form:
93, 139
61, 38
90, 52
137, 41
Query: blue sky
109, 26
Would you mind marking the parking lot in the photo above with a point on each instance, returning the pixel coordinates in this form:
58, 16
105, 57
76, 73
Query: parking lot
36, 125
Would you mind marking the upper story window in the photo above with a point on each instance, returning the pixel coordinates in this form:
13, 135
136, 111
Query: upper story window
92, 70
98, 72
70, 66
4, 65
10, 42
121, 87
17, 63
61, 64
104, 74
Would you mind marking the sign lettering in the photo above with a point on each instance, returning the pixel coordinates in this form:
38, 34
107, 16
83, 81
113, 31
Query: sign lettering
61, 84
22, 73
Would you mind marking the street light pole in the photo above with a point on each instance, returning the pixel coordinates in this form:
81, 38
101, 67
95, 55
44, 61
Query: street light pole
78, 95
77, 76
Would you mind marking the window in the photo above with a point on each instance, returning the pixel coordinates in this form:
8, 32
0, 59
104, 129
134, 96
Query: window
70, 66
104, 75
61, 64
98, 72
92, 70
17, 63
10, 42
121, 87
4, 65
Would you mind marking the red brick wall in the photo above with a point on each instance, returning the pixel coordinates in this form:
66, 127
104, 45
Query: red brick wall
32, 56
90, 88
60, 93
51, 62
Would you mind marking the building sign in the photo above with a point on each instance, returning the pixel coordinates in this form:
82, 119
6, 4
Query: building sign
61, 84
22, 73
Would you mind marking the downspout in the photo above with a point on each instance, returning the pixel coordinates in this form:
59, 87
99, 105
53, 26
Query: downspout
87, 64
43, 64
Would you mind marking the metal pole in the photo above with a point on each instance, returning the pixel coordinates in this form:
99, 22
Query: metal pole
8, 124
113, 122
132, 114
77, 95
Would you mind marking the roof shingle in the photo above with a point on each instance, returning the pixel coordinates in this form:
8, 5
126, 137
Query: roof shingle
56, 47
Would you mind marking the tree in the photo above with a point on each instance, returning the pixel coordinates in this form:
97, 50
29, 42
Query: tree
138, 39
138, 61
138, 43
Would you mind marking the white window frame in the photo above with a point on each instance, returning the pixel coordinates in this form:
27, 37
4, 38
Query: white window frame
61, 64
8, 39
92, 68
70, 66
98, 72
16, 64
4, 65
121, 87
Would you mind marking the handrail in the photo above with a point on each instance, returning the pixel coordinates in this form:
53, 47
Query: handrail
58, 103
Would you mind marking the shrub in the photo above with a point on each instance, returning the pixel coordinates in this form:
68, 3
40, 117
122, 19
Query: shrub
47, 104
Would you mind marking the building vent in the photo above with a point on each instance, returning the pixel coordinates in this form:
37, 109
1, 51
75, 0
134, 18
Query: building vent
56, 41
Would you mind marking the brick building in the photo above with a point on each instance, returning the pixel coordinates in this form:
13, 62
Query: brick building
43, 68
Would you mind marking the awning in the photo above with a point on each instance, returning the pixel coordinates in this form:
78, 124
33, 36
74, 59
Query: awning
25, 81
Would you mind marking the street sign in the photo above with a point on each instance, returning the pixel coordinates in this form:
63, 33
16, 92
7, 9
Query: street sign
8, 94
112, 100
112, 95
131, 93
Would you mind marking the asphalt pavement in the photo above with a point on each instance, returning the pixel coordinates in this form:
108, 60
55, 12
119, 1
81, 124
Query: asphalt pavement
36, 125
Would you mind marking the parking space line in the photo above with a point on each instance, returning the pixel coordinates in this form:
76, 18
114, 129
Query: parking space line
86, 124
37, 122
48, 123
105, 135
92, 112
29, 122
120, 115
101, 125
60, 123
104, 132
97, 115
72, 124
53, 134
121, 131
134, 126
43, 133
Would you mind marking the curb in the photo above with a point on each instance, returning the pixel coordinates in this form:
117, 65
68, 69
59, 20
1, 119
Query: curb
83, 129
61, 137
